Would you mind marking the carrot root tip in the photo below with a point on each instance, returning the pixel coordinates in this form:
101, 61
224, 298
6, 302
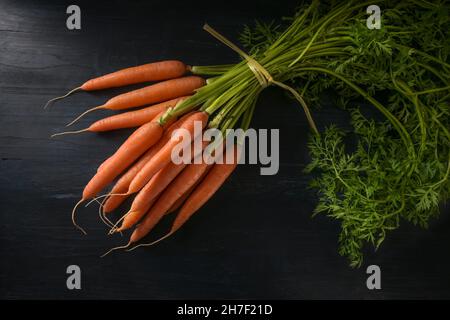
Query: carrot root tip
83, 114
73, 217
115, 227
102, 216
114, 249
104, 196
151, 243
68, 132
61, 97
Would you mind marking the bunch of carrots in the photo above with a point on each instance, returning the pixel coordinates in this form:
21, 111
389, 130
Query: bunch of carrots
142, 165
399, 170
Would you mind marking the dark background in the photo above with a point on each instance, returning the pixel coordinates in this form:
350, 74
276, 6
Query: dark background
254, 239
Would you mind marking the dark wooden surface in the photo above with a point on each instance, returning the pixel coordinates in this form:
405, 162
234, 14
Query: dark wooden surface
254, 239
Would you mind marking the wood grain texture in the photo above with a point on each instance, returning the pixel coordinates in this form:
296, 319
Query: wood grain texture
254, 239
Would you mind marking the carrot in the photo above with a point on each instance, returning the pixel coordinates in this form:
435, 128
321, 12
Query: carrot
180, 185
183, 198
102, 165
184, 183
158, 92
141, 140
156, 118
145, 198
207, 188
118, 192
153, 188
156, 71
127, 119
133, 118
202, 193
163, 157
122, 185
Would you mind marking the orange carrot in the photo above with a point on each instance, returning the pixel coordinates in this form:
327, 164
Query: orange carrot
145, 198
202, 193
180, 185
156, 118
127, 119
141, 140
124, 182
156, 71
153, 188
207, 188
163, 157
133, 118
158, 92
102, 165
183, 198
121, 186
